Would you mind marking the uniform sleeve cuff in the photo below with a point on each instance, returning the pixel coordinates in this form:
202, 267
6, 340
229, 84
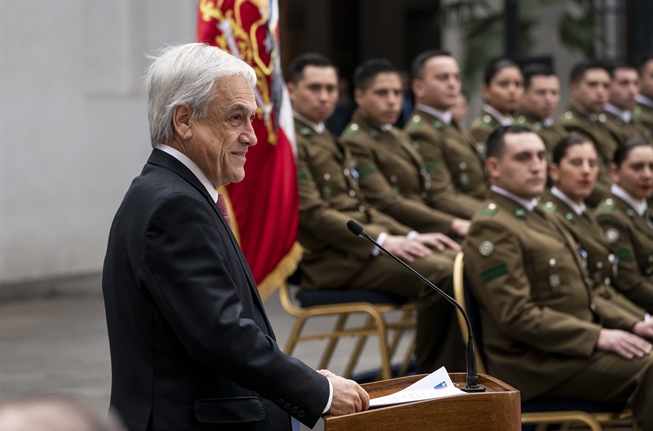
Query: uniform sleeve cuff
412, 234
380, 240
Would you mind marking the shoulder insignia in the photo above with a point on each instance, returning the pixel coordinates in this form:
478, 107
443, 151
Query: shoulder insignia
302, 175
569, 216
520, 120
629, 212
486, 119
481, 148
637, 113
326, 191
416, 146
366, 170
430, 165
624, 253
602, 118
519, 211
415, 122
607, 206
490, 210
568, 115
438, 124
550, 207
374, 133
612, 235
305, 131
493, 272
537, 125
351, 131
486, 248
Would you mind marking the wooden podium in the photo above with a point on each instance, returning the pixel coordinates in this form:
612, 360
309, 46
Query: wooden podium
496, 409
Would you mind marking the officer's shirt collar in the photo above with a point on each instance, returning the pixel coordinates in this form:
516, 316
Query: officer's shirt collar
504, 120
639, 205
192, 166
588, 114
625, 116
319, 127
644, 100
528, 204
444, 116
578, 209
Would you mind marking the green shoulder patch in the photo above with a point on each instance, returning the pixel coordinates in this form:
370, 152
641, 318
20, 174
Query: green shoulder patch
607, 206
430, 165
569, 216
493, 272
519, 211
624, 253
629, 212
302, 175
415, 122
351, 131
490, 210
305, 131
637, 113
366, 170
549, 207
438, 124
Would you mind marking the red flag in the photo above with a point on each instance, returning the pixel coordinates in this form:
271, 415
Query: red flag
265, 205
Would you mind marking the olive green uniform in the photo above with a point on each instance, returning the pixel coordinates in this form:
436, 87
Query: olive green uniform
598, 260
551, 135
335, 259
393, 177
458, 177
621, 130
643, 113
575, 121
481, 129
631, 240
539, 315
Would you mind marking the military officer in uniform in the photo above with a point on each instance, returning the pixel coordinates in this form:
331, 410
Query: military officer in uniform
458, 179
573, 171
541, 97
624, 87
589, 83
544, 330
643, 112
502, 90
627, 223
392, 175
330, 196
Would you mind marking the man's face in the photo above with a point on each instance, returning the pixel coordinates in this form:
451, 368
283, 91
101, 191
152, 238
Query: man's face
439, 85
522, 168
542, 96
219, 141
591, 92
623, 88
316, 94
646, 80
380, 103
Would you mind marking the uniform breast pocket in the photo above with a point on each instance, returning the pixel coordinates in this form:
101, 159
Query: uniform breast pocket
548, 278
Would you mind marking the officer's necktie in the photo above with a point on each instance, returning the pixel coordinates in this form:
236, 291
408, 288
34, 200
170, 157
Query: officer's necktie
222, 206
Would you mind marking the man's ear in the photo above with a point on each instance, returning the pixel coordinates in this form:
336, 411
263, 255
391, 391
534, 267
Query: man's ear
181, 116
492, 165
291, 90
358, 96
417, 85
554, 172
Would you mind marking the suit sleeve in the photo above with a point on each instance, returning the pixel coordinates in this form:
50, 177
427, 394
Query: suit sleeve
504, 290
189, 279
378, 191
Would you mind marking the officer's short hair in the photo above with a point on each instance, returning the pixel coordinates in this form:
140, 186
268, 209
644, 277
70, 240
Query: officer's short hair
417, 66
496, 142
623, 150
560, 150
366, 72
533, 70
643, 61
613, 65
580, 68
299, 63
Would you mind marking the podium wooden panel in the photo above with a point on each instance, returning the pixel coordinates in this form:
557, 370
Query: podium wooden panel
496, 409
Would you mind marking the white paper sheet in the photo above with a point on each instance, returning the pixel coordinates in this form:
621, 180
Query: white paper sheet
438, 384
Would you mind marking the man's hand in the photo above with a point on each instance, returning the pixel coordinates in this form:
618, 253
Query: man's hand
348, 396
437, 240
644, 329
405, 248
622, 343
460, 226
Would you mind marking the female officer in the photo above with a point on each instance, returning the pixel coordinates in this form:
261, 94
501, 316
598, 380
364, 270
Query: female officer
574, 170
502, 90
626, 220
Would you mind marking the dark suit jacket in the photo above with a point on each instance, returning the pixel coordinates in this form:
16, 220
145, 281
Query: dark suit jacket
191, 346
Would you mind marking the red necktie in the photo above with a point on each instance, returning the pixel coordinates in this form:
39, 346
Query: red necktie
222, 206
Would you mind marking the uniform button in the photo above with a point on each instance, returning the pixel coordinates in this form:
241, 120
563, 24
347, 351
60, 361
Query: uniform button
584, 264
345, 171
587, 280
300, 414
287, 406
611, 258
280, 401
599, 265
462, 165
393, 178
607, 281
354, 127
294, 410
423, 195
609, 201
593, 306
361, 208
352, 193
327, 176
552, 262
427, 185
416, 118
487, 118
492, 206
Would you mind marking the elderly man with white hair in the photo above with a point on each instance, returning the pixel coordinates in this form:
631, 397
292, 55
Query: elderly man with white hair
191, 346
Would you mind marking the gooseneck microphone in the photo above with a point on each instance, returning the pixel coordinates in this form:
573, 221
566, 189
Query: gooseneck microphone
472, 376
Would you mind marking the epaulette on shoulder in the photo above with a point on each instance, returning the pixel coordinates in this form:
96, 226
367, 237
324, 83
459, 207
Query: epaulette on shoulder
490, 210
607, 206
567, 117
415, 122
549, 207
351, 131
305, 131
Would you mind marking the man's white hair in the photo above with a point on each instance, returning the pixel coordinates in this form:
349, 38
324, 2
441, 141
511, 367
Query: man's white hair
186, 74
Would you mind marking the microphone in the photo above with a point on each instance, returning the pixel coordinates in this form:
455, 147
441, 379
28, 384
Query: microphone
472, 376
